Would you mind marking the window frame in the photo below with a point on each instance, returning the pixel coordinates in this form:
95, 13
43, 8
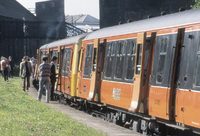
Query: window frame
125, 62
88, 55
119, 54
133, 54
111, 56
162, 52
197, 65
64, 72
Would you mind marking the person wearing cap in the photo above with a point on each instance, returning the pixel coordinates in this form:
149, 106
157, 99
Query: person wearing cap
25, 73
53, 76
44, 78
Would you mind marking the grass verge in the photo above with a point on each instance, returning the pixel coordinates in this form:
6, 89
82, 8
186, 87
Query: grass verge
22, 115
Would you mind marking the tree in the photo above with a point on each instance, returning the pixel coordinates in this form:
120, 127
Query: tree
196, 5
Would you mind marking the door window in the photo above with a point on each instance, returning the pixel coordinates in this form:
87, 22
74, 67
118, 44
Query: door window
161, 60
131, 52
120, 57
66, 62
109, 60
197, 69
139, 56
88, 61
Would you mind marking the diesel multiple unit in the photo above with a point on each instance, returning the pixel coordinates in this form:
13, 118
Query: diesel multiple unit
144, 74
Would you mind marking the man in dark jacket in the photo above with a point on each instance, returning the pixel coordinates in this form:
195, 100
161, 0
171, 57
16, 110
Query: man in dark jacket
11, 66
53, 76
25, 73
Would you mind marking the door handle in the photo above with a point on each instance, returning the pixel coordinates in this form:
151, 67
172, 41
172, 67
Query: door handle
178, 85
182, 109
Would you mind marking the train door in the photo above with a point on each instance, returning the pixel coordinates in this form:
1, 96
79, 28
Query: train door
101, 57
94, 70
66, 70
97, 69
138, 74
188, 81
89, 71
57, 53
149, 51
36, 72
164, 75
85, 70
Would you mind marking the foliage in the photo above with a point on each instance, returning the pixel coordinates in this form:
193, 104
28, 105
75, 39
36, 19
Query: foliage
16, 70
22, 115
196, 5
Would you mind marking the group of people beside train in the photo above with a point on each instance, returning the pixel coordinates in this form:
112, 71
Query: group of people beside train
47, 76
7, 67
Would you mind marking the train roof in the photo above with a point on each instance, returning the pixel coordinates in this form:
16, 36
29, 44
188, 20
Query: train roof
44, 46
66, 41
171, 20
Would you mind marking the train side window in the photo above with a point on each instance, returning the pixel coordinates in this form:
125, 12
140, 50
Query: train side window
130, 62
66, 62
88, 61
79, 54
197, 69
197, 72
138, 61
161, 60
55, 53
109, 60
51, 54
94, 60
43, 53
67, 68
120, 57
81, 67
147, 46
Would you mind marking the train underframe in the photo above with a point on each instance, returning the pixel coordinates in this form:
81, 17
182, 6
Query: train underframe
137, 122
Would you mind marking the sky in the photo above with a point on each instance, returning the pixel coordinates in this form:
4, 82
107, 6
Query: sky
72, 7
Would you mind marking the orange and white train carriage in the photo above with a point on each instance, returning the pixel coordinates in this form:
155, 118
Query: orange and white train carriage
145, 73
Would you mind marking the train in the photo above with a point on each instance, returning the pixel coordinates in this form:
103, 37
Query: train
144, 75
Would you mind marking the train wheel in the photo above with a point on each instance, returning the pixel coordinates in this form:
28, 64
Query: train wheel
59, 98
108, 117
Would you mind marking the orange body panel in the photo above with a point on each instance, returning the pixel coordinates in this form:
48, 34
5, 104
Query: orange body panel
65, 85
84, 88
188, 108
159, 102
179, 106
116, 94
83, 83
62, 84
65, 81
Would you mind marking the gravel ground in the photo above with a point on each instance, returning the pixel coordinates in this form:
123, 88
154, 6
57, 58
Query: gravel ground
90, 121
